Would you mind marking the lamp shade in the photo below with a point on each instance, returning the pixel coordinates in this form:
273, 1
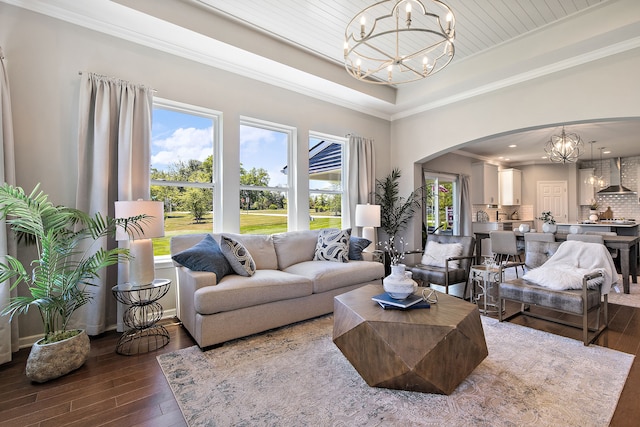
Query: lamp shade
367, 215
152, 227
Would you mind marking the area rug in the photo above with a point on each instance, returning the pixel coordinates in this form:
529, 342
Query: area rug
296, 376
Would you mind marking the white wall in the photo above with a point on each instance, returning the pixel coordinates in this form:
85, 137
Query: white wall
44, 57
600, 89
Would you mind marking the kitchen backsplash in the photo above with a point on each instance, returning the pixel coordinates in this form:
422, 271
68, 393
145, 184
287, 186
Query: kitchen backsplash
623, 205
525, 212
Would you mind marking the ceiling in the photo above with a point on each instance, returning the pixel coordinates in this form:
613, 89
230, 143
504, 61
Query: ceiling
318, 26
311, 58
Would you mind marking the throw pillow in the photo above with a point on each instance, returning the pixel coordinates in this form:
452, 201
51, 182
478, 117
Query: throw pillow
238, 256
333, 245
356, 246
206, 255
436, 254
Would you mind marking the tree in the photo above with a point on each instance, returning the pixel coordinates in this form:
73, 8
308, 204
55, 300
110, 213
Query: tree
395, 211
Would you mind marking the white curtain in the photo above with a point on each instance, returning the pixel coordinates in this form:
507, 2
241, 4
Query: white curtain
361, 175
8, 330
114, 141
466, 216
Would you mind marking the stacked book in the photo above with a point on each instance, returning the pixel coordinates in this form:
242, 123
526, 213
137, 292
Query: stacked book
412, 301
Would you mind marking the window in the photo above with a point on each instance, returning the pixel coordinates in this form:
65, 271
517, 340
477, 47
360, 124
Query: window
326, 160
441, 209
264, 181
182, 168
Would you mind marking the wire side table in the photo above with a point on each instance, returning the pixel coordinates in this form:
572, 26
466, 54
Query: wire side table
487, 278
141, 316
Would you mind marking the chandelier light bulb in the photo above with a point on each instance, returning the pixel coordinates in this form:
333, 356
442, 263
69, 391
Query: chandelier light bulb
363, 22
408, 10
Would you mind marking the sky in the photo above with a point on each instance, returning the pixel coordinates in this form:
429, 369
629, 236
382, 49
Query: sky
178, 136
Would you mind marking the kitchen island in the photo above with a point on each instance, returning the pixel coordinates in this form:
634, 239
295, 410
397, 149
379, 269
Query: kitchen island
620, 227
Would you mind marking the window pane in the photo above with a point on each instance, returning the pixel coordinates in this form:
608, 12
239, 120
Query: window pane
325, 183
182, 152
263, 164
263, 212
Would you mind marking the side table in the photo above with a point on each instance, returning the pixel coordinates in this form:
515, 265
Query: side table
487, 278
141, 316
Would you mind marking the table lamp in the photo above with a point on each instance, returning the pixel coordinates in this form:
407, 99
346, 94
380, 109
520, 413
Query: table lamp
368, 217
141, 267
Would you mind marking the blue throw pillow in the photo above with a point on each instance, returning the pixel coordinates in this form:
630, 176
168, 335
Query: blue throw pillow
205, 256
356, 246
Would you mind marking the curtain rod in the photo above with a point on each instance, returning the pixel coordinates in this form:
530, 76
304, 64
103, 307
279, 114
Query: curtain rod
151, 89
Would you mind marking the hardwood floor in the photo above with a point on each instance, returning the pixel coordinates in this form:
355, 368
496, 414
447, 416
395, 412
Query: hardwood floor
115, 390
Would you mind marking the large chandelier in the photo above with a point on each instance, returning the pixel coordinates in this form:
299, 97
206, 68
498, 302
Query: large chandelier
399, 41
564, 148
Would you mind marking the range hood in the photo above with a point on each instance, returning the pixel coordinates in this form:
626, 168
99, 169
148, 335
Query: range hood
615, 186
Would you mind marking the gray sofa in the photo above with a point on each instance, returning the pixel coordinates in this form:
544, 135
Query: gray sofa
287, 287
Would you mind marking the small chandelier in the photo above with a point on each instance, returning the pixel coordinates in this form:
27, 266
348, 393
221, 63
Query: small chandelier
565, 148
399, 41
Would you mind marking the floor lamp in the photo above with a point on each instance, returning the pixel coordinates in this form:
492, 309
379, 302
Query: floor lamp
141, 267
368, 217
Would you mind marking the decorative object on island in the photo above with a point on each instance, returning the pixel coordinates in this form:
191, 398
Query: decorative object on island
524, 228
564, 148
399, 46
141, 268
368, 217
593, 210
399, 284
549, 222
65, 266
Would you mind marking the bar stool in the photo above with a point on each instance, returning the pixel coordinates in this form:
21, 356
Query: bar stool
505, 249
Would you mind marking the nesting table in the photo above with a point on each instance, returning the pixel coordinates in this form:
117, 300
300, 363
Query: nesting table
487, 278
141, 316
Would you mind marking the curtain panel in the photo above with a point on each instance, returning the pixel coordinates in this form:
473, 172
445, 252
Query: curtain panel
114, 143
8, 329
361, 175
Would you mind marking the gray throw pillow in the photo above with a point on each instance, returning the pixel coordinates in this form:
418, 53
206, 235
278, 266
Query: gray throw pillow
356, 246
206, 255
238, 256
333, 245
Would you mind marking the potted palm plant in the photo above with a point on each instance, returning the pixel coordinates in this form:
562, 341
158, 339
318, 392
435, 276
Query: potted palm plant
65, 266
395, 210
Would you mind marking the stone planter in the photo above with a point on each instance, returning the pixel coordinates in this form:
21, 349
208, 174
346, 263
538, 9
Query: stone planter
49, 361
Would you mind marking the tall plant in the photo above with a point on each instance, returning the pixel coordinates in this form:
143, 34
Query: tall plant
64, 268
395, 211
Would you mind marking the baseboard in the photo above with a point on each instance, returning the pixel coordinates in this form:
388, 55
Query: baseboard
24, 342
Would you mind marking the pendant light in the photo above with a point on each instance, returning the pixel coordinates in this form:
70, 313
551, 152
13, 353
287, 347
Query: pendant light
592, 179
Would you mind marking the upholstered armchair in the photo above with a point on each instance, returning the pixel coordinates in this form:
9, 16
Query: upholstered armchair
446, 261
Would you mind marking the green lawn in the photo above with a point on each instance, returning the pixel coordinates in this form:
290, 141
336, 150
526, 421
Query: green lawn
254, 222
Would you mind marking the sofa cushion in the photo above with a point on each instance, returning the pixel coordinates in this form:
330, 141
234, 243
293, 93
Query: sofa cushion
206, 255
436, 254
293, 247
238, 256
527, 292
356, 246
260, 246
234, 292
333, 245
328, 275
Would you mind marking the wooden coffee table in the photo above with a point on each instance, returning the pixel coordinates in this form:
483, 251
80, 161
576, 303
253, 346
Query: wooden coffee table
430, 350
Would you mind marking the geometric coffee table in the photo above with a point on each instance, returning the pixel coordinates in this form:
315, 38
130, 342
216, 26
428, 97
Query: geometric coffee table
430, 350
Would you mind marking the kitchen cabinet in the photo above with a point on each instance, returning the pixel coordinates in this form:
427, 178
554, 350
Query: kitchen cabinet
510, 187
586, 191
484, 184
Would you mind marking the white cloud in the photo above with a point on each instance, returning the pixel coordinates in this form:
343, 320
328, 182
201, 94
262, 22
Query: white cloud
183, 144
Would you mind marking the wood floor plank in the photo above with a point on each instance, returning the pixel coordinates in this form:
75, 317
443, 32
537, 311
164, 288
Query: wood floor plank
141, 395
